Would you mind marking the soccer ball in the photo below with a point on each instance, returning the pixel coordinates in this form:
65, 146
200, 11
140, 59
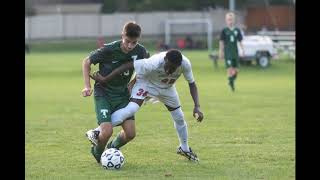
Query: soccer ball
112, 159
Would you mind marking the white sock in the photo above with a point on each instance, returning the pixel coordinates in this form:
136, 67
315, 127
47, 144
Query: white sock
122, 114
97, 129
181, 127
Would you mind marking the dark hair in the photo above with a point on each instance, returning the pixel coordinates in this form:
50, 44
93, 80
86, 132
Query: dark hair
132, 29
174, 56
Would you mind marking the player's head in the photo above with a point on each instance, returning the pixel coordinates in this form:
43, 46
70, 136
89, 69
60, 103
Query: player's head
130, 35
172, 60
230, 18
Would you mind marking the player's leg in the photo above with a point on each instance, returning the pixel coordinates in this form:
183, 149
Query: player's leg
233, 73
231, 77
236, 68
128, 128
127, 134
104, 135
120, 115
100, 104
171, 100
180, 126
228, 64
103, 109
138, 94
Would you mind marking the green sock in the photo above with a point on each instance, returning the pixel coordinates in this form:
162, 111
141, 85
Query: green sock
98, 150
231, 82
117, 142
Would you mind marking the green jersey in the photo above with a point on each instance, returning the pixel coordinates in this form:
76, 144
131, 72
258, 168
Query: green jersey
230, 37
109, 58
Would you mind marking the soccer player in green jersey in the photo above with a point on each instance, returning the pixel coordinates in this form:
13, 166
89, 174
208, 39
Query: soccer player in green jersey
228, 48
115, 95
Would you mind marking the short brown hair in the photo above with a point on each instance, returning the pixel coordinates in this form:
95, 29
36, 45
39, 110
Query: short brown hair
132, 29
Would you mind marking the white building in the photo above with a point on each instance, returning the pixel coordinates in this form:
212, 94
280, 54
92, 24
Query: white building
42, 7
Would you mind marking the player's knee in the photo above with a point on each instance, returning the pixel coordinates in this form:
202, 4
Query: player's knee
131, 109
181, 123
178, 117
125, 112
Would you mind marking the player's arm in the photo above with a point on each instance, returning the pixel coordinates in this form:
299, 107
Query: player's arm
114, 73
98, 56
221, 48
221, 45
131, 83
85, 73
145, 54
188, 75
240, 37
241, 46
194, 94
140, 66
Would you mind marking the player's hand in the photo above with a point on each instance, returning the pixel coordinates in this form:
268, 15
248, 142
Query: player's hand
86, 92
97, 77
242, 53
130, 85
197, 114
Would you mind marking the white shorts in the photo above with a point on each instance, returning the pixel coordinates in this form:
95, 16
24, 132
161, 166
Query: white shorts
143, 89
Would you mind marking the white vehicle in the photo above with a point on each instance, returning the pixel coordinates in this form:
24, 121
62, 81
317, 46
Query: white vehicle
258, 48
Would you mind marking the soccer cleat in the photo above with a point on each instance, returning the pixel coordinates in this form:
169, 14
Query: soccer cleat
232, 86
92, 136
96, 157
189, 155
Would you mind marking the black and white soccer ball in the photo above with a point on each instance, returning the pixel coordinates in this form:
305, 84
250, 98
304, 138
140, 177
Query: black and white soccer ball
112, 159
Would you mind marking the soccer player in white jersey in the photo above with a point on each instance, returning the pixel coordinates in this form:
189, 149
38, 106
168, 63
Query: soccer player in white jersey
155, 78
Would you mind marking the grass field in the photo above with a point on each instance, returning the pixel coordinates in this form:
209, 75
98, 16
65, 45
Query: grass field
249, 134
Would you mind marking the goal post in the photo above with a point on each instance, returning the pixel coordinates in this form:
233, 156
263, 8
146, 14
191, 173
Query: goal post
207, 22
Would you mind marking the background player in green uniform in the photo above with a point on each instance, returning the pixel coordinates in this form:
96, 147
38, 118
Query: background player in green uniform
114, 95
228, 48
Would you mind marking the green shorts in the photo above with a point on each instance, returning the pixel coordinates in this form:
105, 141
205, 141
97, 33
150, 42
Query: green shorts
231, 63
105, 107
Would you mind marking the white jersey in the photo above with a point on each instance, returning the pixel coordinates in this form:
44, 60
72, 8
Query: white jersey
152, 70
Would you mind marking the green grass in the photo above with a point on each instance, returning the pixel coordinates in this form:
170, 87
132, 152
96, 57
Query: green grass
76, 45
86, 45
249, 134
